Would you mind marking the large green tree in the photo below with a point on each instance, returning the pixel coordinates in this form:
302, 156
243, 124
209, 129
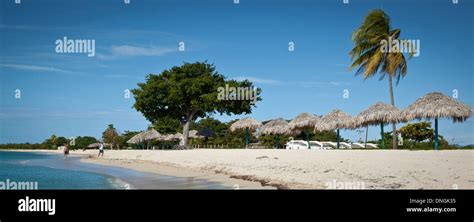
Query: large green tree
81, 142
167, 125
417, 132
370, 56
186, 93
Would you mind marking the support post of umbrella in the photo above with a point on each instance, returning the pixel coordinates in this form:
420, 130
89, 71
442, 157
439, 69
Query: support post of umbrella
366, 135
307, 138
338, 138
436, 134
246, 137
382, 144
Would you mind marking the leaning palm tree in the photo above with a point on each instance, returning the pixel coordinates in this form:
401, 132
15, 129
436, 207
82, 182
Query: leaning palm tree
370, 56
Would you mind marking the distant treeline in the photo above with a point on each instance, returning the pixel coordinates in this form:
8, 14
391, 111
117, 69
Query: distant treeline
417, 136
25, 146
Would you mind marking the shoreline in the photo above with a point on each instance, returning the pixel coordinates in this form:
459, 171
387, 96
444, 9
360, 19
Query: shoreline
161, 169
301, 169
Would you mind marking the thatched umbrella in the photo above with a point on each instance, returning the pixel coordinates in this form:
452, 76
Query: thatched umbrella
168, 137
435, 105
178, 136
379, 113
275, 127
247, 124
96, 145
303, 122
336, 119
151, 134
148, 135
138, 138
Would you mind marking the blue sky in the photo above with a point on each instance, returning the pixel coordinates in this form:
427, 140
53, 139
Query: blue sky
73, 94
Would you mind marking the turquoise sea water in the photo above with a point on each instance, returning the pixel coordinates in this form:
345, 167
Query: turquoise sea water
20, 167
54, 171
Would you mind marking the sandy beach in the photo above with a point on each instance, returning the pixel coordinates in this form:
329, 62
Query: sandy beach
303, 169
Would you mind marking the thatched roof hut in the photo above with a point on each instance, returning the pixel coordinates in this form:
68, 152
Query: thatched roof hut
303, 121
150, 134
136, 139
435, 105
336, 119
275, 127
244, 123
376, 114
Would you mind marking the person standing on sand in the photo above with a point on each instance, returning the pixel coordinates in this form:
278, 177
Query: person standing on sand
66, 149
101, 149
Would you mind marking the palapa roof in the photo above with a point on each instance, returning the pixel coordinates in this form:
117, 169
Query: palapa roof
150, 134
377, 114
246, 122
336, 119
136, 139
437, 105
178, 136
302, 121
277, 127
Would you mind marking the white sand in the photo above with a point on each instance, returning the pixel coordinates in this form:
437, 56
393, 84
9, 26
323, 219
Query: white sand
369, 169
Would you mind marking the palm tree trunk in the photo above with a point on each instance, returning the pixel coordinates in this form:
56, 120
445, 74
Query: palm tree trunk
394, 125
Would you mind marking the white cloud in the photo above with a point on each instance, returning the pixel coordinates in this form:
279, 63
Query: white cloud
35, 68
133, 51
306, 84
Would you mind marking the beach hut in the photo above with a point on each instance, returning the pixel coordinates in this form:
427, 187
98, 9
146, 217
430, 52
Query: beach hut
335, 120
275, 127
247, 124
380, 113
303, 122
435, 105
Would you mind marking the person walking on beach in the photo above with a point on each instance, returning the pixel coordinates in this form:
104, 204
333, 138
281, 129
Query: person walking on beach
101, 149
66, 149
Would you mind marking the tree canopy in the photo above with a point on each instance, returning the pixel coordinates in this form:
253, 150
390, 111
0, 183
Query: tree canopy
188, 92
110, 135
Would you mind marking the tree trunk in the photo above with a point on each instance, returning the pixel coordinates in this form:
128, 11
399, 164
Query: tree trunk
186, 126
394, 125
